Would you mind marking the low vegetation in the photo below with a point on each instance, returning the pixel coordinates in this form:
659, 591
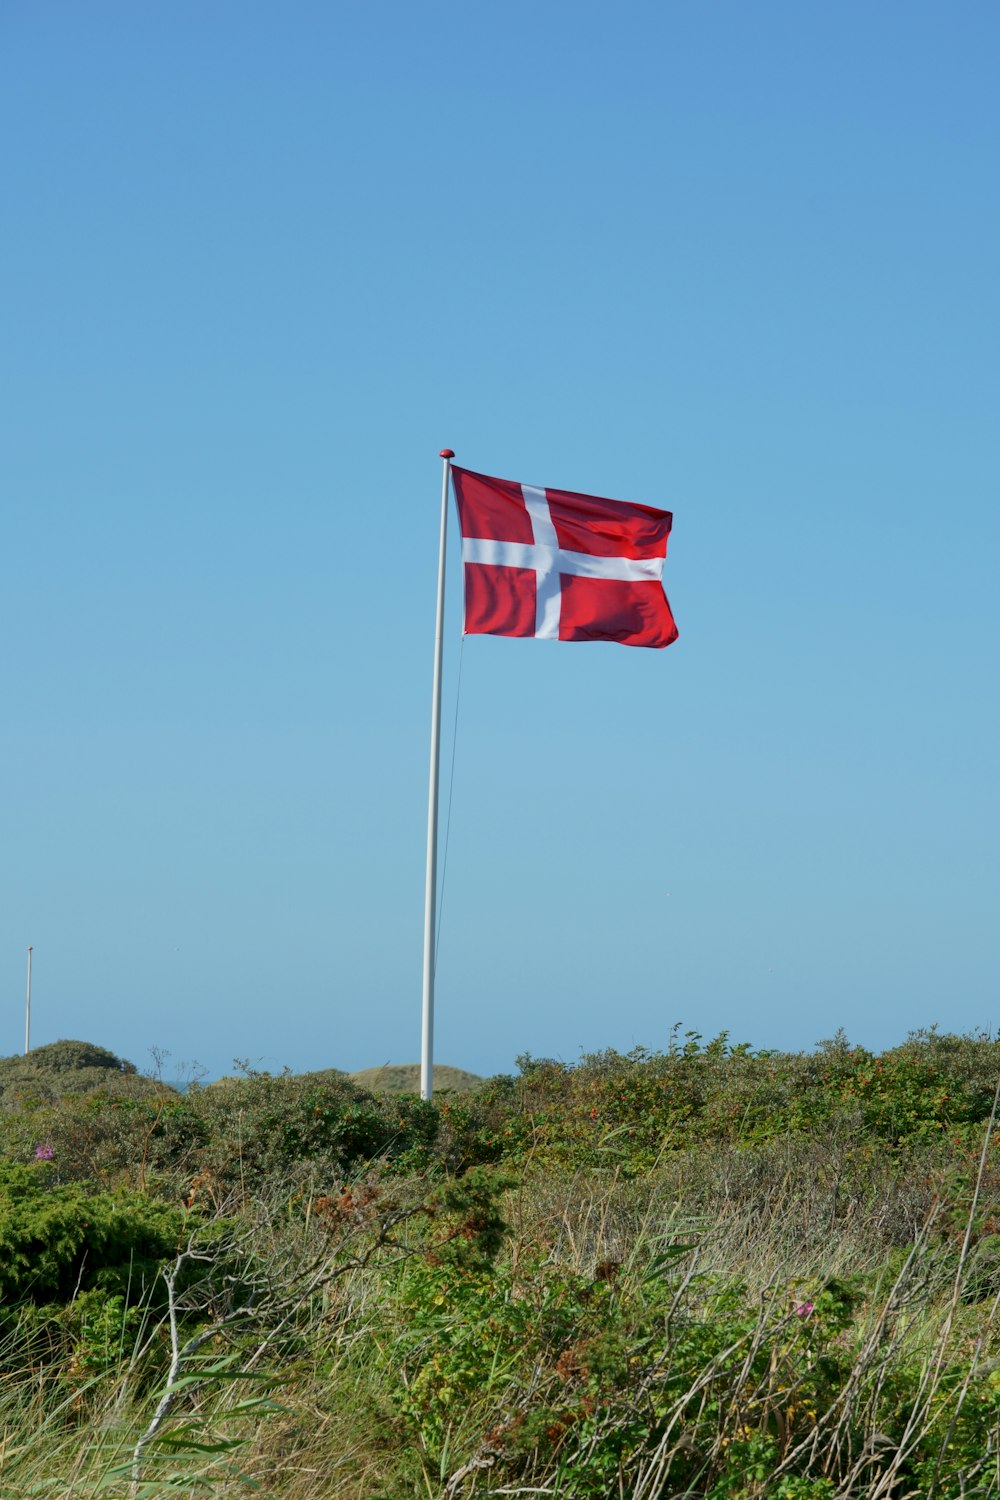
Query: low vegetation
706, 1271
404, 1078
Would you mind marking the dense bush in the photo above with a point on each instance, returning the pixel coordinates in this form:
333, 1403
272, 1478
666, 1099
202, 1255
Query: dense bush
57, 1239
627, 1113
72, 1057
49, 1073
302, 1131
654, 1380
145, 1139
707, 1271
630, 1108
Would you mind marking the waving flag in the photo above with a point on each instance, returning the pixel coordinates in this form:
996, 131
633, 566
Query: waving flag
561, 566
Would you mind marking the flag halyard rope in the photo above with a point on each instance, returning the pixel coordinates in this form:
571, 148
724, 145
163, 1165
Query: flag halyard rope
451, 788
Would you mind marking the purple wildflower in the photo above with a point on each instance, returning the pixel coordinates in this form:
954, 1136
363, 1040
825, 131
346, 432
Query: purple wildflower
804, 1309
44, 1151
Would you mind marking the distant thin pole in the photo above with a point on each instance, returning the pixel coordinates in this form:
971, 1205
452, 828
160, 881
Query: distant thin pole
430, 885
27, 1012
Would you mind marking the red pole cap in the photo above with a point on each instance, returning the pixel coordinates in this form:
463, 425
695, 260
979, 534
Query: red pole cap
447, 453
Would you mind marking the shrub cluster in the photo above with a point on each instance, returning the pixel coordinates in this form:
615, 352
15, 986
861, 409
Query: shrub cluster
705, 1271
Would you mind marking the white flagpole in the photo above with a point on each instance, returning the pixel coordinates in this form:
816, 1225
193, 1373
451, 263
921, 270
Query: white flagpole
430, 888
27, 1012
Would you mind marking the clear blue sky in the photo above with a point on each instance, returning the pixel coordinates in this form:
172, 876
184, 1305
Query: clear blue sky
260, 262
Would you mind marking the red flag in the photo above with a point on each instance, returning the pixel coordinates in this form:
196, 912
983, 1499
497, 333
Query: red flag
561, 566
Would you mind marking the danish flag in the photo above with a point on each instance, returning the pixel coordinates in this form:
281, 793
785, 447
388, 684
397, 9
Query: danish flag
561, 566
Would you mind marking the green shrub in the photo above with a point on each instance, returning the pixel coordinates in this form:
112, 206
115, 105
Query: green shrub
625, 1110
71, 1057
48, 1074
299, 1130
57, 1239
124, 1138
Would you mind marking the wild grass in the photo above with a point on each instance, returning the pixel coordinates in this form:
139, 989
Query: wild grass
582, 1285
623, 1342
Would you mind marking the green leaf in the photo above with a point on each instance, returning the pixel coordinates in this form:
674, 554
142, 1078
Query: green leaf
658, 1265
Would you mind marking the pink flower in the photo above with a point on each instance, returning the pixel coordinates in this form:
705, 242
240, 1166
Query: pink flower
44, 1151
804, 1309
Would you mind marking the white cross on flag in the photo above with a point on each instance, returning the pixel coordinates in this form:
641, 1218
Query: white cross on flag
561, 566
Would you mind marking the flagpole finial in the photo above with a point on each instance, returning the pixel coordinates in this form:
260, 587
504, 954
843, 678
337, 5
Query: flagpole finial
447, 453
